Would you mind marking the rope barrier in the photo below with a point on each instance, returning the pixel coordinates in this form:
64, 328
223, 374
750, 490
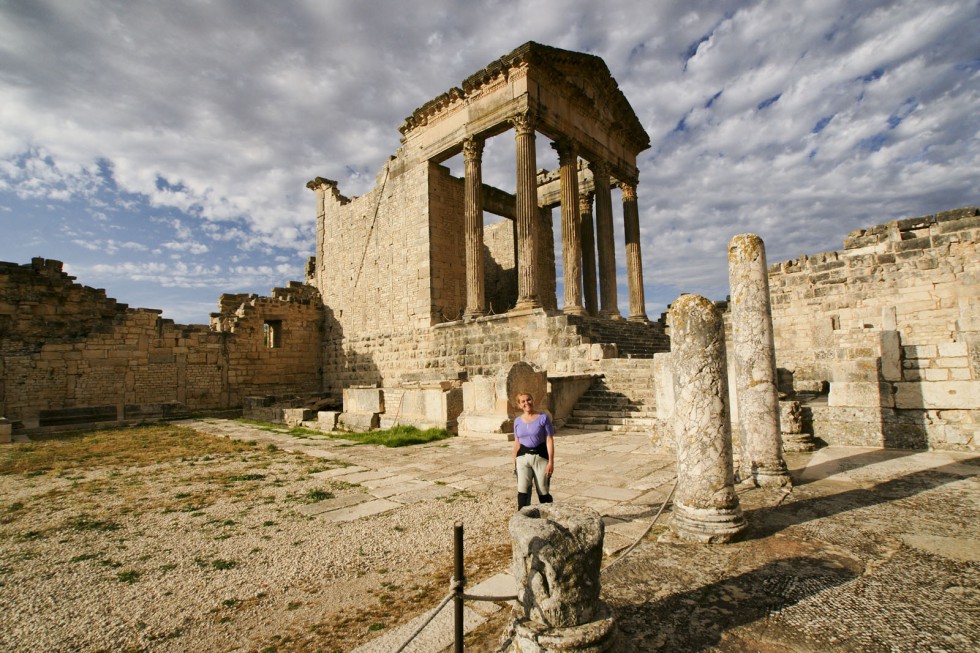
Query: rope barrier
644, 534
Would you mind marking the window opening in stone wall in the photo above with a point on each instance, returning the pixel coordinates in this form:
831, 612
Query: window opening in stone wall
272, 334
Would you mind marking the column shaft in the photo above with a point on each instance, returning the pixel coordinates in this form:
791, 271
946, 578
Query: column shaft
706, 507
607, 248
526, 212
473, 202
754, 353
634, 259
587, 231
571, 244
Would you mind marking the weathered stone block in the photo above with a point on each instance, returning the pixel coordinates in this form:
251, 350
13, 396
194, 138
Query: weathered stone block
363, 400
296, 416
359, 422
6, 429
962, 395
327, 420
860, 393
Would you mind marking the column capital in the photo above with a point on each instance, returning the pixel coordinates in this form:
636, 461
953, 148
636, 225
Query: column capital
599, 167
567, 151
472, 148
629, 190
524, 123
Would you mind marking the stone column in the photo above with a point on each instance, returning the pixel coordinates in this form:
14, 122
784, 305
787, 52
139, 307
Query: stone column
571, 243
706, 507
557, 551
587, 232
754, 355
476, 303
607, 247
634, 260
526, 213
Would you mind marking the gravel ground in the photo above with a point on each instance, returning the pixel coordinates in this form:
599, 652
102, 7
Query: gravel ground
212, 553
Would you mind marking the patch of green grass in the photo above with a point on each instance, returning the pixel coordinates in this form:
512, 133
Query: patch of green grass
318, 494
85, 556
129, 576
343, 485
376, 626
123, 446
397, 436
246, 477
292, 605
222, 565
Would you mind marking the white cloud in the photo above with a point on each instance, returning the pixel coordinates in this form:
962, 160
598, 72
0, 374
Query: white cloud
801, 121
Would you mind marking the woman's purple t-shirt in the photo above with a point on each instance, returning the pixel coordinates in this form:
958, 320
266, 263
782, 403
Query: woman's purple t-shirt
534, 433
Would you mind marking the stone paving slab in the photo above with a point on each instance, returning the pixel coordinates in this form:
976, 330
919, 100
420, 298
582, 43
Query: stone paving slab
357, 477
345, 501
338, 471
437, 636
424, 494
360, 510
502, 584
385, 481
386, 491
609, 493
492, 461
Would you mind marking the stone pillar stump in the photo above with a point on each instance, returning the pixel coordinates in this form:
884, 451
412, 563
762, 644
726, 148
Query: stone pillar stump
557, 551
706, 508
791, 428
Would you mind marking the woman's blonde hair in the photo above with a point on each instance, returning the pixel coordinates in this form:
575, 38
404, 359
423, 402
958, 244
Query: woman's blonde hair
525, 394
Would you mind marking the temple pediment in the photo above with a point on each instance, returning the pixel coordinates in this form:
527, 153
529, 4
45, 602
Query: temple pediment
571, 95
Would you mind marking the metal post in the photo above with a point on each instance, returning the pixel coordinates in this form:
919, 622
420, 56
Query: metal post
458, 585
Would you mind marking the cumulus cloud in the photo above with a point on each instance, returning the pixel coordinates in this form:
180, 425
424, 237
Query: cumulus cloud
798, 121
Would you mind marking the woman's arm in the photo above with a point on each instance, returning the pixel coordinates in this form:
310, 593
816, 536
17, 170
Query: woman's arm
551, 456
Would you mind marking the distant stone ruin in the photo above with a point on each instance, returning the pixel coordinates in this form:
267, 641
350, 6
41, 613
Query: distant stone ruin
413, 309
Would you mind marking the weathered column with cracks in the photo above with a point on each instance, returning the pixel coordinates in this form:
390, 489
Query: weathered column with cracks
634, 259
527, 213
754, 354
557, 551
587, 231
571, 244
476, 304
606, 242
706, 507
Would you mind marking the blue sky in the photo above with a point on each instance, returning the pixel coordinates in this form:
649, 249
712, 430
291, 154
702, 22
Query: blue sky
161, 150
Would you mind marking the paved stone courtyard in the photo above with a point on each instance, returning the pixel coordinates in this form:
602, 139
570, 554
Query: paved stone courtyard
871, 551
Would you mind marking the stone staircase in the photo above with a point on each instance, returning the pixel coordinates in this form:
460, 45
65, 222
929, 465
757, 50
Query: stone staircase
623, 399
633, 339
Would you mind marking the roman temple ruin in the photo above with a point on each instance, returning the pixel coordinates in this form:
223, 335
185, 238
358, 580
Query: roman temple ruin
432, 297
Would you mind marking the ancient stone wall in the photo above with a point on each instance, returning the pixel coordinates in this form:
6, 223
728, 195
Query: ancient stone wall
65, 347
891, 324
500, 266
447, 249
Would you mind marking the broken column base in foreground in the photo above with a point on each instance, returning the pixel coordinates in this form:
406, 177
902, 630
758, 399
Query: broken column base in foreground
597, 636
557, 552
791, 423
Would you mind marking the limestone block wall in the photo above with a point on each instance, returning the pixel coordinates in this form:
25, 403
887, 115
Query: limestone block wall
500, 266
892, 324
67, 346
372, 265
448, 248
446, 350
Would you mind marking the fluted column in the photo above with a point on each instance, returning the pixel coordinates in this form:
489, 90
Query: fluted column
634, 260
571, 244
606, 245
476, 304
587, 231
527, 212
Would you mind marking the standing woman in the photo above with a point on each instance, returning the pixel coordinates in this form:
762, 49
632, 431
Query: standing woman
534, 452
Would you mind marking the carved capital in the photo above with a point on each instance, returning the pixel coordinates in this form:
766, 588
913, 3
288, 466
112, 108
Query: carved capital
567, 151
585, 202
524, 123
629, 191
472, 149
599, 168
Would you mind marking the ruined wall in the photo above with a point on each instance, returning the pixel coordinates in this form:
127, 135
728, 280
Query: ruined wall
372, 262
500, 266
448, 244
64, 346
892, 324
